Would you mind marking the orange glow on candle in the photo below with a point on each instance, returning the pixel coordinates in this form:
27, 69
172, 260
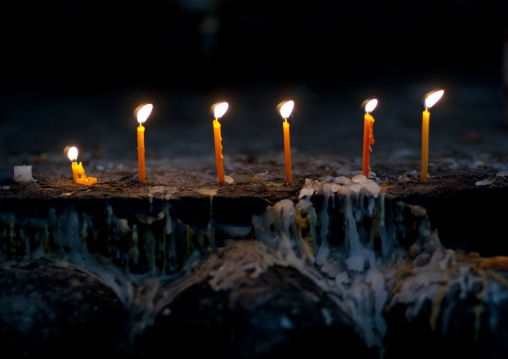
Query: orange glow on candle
285, 111
142, 113
219, 109
368, 136
430, 101
78, 172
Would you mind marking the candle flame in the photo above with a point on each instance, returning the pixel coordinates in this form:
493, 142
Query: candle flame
371, 105
73, 153
143, 111
219, 109
432, 98
286, 108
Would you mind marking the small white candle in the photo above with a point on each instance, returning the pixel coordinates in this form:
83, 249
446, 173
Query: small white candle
23, 174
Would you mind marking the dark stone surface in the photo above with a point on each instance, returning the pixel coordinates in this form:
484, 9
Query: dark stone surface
46, 310
277, 313
467, 331
288, 320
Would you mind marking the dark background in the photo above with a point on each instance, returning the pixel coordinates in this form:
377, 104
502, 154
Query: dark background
72, 73
64, 46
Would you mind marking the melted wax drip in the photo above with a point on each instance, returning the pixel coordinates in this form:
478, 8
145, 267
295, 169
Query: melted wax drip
350, 246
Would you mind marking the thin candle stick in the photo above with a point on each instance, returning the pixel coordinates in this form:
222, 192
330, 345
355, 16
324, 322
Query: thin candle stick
368, 136
141, 153
425, 146
219, 109
285, 109
142, 113
287, 151
218, 152
430, 101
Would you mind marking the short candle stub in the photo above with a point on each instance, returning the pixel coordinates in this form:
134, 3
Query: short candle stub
78, 172
23, 174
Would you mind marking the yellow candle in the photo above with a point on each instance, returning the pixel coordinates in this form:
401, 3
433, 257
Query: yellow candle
368, 136
430, 101
219, 109
83, 178
75, 171
141, 153
425, 146
285, 111
218, 152
287, 152
78, 172
142, 113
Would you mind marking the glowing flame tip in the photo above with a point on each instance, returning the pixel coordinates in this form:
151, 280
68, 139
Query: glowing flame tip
286, 108
370, 105
143, 112
432, 98
219, 109
73, 153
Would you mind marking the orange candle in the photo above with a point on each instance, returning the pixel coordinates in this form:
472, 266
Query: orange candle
218, 152
78, 172
219, 109
425, 146
285, 111
142, 113
75, 171
430, 101
141, 153
368, 136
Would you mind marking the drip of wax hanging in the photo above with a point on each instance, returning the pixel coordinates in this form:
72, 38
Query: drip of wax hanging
430, 101
219, 109
368, 135
78, 172
285, 109
142, 113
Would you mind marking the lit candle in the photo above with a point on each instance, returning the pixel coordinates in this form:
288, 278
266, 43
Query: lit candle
430, 101
78, 172
219, 109
142, 113
368, 135
285, 111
